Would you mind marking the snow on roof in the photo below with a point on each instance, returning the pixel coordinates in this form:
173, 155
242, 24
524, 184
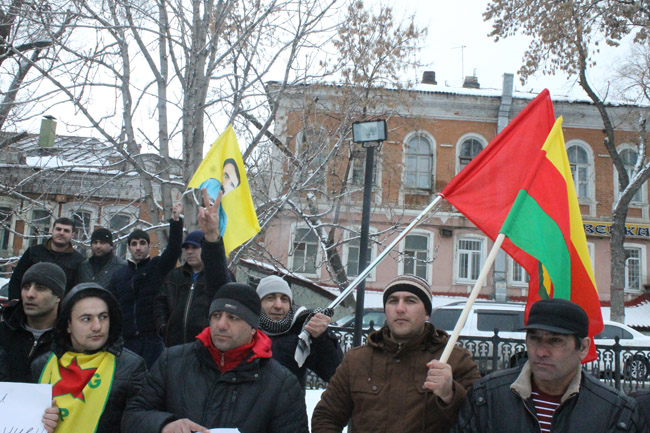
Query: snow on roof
636, 316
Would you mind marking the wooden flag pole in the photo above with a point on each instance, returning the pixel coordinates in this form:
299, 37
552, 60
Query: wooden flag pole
453, 338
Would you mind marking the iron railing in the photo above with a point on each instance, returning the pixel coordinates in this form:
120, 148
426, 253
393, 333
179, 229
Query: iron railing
623, 367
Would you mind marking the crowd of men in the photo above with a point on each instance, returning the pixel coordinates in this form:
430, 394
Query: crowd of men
145, 346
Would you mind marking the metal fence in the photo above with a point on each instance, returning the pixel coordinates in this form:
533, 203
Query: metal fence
622, 367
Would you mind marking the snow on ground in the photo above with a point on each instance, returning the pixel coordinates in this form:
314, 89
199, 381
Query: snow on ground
312, 398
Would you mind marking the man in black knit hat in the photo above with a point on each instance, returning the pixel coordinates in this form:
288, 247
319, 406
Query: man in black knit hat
100, 266
27, 327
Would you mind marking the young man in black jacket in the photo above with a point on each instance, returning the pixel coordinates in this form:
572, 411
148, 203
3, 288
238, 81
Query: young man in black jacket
551, 392
137, 284
92, 375
28, 324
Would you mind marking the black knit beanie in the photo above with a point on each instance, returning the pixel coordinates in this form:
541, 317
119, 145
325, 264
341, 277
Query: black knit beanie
411, 284
238, 299
46, 274
102, 234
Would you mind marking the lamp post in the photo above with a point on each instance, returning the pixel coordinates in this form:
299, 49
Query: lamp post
370, 134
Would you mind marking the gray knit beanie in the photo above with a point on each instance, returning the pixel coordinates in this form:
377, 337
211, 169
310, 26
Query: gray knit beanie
411, 284
273, 284
46, 274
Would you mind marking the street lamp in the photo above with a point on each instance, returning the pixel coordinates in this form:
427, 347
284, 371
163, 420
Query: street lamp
370, 134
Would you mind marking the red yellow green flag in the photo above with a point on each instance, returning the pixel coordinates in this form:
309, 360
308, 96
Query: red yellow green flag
521, 185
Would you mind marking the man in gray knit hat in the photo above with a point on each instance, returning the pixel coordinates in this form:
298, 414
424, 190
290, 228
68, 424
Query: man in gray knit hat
283, 321
27, 329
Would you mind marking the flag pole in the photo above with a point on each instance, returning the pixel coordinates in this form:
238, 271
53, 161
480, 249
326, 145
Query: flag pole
472, 297
304, 339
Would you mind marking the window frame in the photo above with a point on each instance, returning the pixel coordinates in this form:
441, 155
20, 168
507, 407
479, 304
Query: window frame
591, 187
459, 147
512, 265
483, 254
430, 249
419, 134
373, 252
291, 253
642, 266
322, 156
643, 191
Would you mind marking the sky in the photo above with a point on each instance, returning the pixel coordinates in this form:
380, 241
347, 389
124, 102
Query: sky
457, 45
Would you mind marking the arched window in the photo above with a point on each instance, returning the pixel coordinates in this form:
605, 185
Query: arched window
629, 156
418, 167
580, 169
469, 148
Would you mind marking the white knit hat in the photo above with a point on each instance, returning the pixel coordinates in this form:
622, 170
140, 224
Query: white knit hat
273, 284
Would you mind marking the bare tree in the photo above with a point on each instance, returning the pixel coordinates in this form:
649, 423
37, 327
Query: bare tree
565, 37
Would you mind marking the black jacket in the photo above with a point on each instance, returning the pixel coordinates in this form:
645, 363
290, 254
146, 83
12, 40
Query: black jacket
69, 261
103, 277
130, 370
19, 343
136, 286
182, 307
255, 397
492, 406
324, 357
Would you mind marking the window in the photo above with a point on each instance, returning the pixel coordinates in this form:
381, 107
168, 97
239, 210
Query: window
629, 157
358, 172
579, 160
633, 269
116, 224
469, 259
416, 251
518, 275
40, 225
305, 251
5, 227
469, 148
445, 319
353, 257
82, 224
312, 147
418, 164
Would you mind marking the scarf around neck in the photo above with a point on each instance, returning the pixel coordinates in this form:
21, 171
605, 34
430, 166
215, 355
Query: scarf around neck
81, 384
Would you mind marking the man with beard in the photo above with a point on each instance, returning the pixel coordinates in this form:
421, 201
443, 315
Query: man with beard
27, 327
91, 374
283, 321
57, 249
100, 266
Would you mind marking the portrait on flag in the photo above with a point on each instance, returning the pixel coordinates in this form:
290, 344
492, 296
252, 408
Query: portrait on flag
223, 170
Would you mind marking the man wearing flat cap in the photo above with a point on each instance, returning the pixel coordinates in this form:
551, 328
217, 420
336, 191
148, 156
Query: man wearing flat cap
99, 267
550, 392
396, 382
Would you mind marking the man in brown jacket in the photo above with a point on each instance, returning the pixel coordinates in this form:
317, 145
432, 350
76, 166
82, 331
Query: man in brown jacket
396, 383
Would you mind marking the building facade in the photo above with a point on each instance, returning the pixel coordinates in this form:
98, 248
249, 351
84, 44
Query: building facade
433, 133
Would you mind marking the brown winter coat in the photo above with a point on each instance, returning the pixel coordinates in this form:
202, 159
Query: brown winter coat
379, 387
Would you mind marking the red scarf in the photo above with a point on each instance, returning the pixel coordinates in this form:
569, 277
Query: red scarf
260, 347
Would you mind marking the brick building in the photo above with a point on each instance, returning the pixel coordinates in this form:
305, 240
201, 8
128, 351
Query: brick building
434, 132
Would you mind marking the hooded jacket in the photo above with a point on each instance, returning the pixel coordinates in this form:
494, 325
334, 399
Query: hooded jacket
69, 260
379, 387
20, 343
130, 368
256, 396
